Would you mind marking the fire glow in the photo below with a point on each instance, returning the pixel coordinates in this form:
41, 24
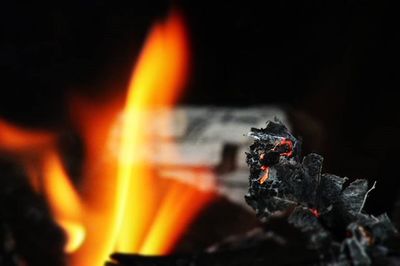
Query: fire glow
123, 203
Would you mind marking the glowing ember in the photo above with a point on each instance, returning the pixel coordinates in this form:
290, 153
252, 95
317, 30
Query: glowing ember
315, 212
282, 148
124, 203
265, 175
288, 145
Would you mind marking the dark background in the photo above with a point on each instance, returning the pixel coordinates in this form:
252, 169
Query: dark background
331, 64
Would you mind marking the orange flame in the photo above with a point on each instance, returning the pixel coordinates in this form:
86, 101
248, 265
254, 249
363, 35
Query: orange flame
124, 203
64, 201
16, 140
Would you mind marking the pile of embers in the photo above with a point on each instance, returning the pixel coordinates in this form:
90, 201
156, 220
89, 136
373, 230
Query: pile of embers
309, 218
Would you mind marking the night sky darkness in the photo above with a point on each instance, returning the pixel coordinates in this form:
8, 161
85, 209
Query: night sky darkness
332, 64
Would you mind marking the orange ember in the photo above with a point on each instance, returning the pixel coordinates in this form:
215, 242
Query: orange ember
289, 145
124, 203
265, 175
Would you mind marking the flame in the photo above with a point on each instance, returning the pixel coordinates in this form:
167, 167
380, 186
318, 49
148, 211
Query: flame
21, 141
157, 78
28, 146
124, 203
64, 201
182, 202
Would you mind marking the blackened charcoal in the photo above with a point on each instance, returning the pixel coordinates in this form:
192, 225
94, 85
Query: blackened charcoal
292, 176
353, 250
353, 196
320, 205
329, 190
270, 158
308, 223
312, 165
272, 132
383, 228
303, 218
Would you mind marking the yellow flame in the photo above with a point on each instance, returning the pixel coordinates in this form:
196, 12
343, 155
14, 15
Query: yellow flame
181, 203
64, 201
76, 234
155, 83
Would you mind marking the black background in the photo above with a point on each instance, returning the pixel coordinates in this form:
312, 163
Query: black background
332, 64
